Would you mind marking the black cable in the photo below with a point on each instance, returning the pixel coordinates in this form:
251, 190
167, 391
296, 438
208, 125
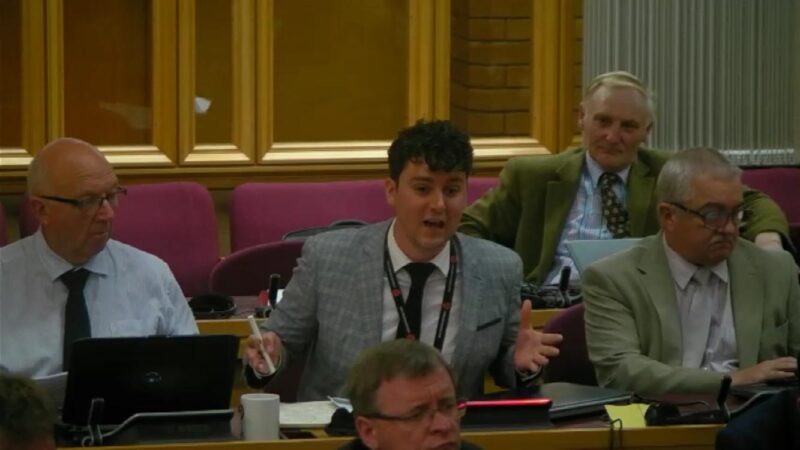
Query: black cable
611, 430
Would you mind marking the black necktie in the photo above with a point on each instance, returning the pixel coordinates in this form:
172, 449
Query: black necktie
614, 213
419, 273
76, 317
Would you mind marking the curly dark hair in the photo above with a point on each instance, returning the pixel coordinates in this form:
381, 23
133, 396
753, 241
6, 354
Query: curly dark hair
438, 143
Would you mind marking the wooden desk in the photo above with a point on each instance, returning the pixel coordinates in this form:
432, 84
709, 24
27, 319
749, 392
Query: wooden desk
239, 327
695, 437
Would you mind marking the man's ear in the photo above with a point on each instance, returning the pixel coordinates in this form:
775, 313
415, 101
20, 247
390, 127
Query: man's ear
367, 432
390, 188
666, 215
40, 210
581, 115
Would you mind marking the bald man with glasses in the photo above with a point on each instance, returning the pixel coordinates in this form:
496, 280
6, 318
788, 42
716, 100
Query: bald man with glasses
70, 280
694, 303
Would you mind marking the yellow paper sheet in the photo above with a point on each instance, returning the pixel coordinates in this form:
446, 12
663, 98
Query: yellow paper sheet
632, 416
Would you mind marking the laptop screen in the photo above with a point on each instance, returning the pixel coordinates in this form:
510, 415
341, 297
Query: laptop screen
149, 374
585, 252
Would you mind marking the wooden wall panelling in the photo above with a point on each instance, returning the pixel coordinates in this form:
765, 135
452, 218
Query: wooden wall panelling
135, 46
546, 24
347, 157
567, 113
231, 116
421, 60
427, 87
23, 109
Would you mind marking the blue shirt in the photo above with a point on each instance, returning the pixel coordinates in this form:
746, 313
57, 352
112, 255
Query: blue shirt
128, 293
585, 218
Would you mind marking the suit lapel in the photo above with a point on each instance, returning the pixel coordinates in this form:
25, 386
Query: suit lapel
558, 202
746, 298
473, 292
657, 281
369, 288
640, 187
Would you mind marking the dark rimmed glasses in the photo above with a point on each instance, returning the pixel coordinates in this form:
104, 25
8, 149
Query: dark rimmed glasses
453, 409
715, 218
90, 204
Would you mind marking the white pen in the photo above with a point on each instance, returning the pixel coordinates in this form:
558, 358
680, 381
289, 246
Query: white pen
257, 333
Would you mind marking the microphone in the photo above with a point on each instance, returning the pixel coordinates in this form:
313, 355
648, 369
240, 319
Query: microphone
274, 285
563, 285
723, 395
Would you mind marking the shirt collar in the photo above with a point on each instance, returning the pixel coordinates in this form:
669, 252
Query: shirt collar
400, 260
683, 271
595, 171
55, 265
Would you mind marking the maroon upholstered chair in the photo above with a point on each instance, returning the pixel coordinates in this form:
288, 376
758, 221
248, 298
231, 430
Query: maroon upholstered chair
247, 271
478, 186
264, 212
572, 364
782, 185
174, 221
3, 230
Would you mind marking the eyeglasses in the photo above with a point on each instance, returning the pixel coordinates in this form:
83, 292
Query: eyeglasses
715, 218
91, 203
451, 408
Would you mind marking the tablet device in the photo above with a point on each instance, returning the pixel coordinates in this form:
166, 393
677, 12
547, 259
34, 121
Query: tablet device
586, 252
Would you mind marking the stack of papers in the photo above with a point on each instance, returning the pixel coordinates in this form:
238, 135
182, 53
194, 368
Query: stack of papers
306, 414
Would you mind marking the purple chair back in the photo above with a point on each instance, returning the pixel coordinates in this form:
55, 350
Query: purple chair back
247, 271
264, 212
3, 230
781, 184
572, 364
478, 186
174, 221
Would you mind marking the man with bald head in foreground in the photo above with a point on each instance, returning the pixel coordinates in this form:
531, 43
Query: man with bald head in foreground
69, 280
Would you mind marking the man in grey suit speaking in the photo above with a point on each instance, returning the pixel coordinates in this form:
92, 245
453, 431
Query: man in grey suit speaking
409, 277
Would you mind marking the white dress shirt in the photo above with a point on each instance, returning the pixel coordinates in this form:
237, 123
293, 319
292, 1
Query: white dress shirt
128, 293
431, 298
708, 334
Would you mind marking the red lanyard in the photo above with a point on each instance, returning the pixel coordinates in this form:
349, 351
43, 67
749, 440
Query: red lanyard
447, 299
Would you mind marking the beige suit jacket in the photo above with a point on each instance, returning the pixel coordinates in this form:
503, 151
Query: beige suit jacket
633, 331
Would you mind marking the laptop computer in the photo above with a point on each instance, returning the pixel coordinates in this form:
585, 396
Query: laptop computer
586, 252
149, 374
769, 387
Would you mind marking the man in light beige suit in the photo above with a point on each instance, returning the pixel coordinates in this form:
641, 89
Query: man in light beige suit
681, 309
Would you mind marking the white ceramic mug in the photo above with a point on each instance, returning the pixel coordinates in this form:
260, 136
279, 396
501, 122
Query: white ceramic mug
260, 417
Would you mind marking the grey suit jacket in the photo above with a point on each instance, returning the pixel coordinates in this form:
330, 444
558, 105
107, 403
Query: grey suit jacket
332, 309
633, 330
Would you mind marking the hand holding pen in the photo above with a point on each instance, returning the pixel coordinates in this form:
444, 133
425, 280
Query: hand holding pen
260, 347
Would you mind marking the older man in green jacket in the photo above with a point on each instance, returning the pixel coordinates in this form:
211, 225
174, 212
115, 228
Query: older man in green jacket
543, 201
